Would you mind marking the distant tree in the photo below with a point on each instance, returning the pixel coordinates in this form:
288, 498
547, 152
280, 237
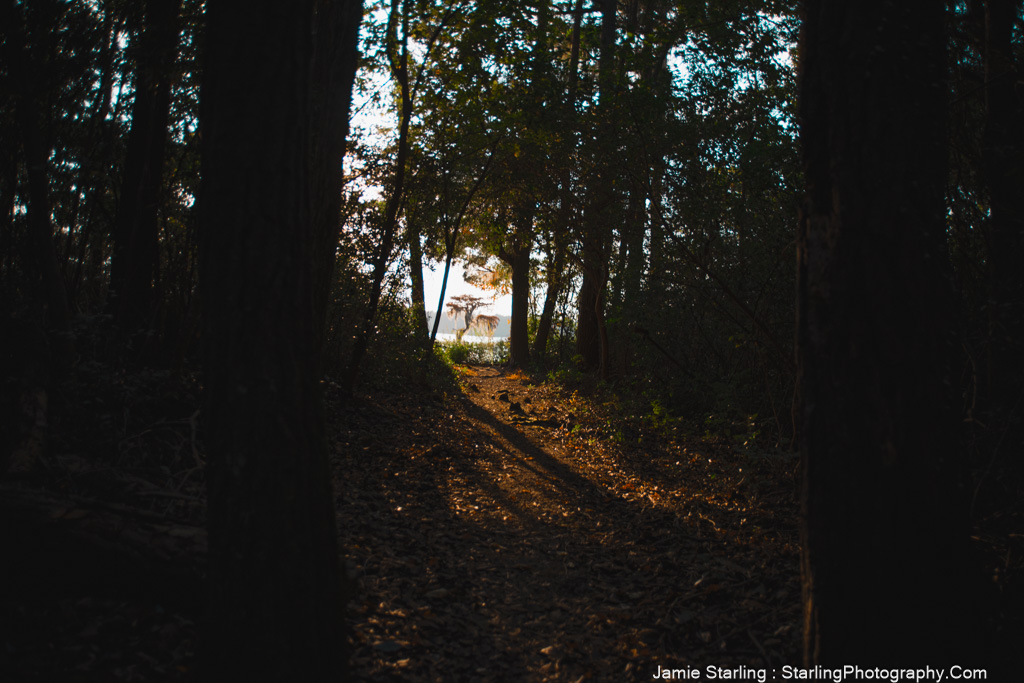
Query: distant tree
884, 522
464, 305
487, 323
275, 582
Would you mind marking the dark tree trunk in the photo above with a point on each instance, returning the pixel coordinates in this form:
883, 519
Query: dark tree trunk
29, 76
1003, 164
335, 58
519, 339
275, 584
421, 329
555, 281
136, 229
94, 179
884, 522
633, 242
440, 299
8, 195
654, 286
40, 228
518, 257
590, 338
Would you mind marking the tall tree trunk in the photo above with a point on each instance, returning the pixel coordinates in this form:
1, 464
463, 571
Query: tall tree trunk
884, 522
93, 178
517, 256
136, 229
335, 58
40, 228
275, 583
654, 287
632, 277
27, 73
519, 339
421, 329
590, 338
1003, 165
8, 196
555, 281
449, 254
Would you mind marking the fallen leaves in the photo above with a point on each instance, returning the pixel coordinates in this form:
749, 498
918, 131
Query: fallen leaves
488, 545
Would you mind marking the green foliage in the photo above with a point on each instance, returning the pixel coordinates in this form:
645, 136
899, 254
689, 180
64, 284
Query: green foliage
567, 375
473, 353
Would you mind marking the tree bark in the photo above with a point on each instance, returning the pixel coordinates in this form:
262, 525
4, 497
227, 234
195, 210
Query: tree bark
884, 525
421, 329
40, 227
335, 59
590, 337
1003, 157
518, 257
33, 85
136, 245
276, 592
555, 281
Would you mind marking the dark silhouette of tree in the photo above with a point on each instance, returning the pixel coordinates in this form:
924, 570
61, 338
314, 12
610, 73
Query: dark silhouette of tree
275, 585
1003, 161
335, 59
591, 335
558, 244
884, 521
136, 230
39, 64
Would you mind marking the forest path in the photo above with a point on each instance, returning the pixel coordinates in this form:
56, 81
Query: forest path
514, 533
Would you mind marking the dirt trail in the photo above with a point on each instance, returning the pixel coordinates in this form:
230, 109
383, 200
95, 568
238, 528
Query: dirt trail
503, 536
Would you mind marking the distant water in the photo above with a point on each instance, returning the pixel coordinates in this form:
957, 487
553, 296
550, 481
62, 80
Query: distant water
470, 338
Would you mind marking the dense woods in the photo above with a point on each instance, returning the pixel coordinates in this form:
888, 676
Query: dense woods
790, 231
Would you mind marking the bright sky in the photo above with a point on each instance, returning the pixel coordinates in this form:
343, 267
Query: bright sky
458, 285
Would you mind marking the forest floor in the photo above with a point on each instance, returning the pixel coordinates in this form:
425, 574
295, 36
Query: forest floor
520, 532
503, 528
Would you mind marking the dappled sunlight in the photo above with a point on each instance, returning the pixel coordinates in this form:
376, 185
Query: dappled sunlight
503, 522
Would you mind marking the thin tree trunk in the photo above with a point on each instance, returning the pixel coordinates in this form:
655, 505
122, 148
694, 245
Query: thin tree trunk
8, 194
400, 71
449, 253
40, 226
421, 329
556, 279
884, 530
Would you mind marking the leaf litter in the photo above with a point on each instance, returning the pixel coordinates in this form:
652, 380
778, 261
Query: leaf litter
501, 535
